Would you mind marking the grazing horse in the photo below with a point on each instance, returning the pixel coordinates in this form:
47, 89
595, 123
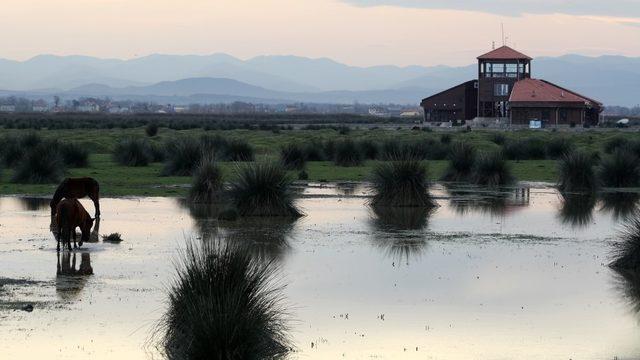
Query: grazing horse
69, 215
76, 188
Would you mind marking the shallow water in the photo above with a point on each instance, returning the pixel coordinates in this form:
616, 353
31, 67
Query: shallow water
521, 274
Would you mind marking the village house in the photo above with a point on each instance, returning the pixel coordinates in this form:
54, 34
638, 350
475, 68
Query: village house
504, 93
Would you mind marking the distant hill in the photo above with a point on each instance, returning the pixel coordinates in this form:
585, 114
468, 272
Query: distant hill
614, 80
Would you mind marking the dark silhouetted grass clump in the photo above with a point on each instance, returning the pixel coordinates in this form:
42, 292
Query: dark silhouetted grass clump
576, 173
223, 304
152, 129
558, 147
369, 149
620, 169
157, 152
74, 155
112, 238
208, 182
498, 138
347, 154
491, 169
314, 152
239, 150
615, 143
627, 255
182, 157
12, 151
401, 183
525, 149
462, 157
292, 157
263, 189
132, 152
42, 164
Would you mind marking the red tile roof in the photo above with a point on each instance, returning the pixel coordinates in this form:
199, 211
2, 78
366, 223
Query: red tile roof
504, 53
534, 90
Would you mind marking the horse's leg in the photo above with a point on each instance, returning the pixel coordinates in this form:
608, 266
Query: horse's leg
96, 201
69, 237
75, 245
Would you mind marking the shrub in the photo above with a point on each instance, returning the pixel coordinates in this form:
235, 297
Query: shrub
314, 152
293, 157
40, 165
329, 149
74, 155
207, 184
12, 151
445, 138
391, 149
228, 214
558, 147
302, 175
525, 149
401, 183
151, 129
462, 157
157, 152
620, 169
491, 169
183, 156
498, 138
132, 152
627, 255
576, 173
239, 150
369, 149
30, 140
615, 143
223, 303
263, 189
215, 146
347, 154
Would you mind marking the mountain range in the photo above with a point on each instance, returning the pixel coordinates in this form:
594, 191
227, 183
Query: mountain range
614, 80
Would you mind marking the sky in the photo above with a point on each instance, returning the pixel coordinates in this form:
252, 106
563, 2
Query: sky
355, 32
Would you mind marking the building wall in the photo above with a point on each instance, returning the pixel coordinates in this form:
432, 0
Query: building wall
486, 86
550, 115
457, 103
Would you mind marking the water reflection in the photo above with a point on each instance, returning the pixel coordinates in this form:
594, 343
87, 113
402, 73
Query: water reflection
71, 280
576, 209
265, 238
467, 199
621, 205
347, 189
628, 283
205, 217
34, 203
400, 231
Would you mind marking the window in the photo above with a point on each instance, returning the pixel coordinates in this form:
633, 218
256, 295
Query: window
512, 70
501, 90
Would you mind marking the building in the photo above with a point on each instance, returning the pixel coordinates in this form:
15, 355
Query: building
505, 93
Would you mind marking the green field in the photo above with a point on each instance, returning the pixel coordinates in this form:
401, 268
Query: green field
118, 180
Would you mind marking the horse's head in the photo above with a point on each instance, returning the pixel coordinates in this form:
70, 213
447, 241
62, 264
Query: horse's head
86, 228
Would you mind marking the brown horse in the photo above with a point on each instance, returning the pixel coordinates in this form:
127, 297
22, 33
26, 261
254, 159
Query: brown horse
76, 188
71, 214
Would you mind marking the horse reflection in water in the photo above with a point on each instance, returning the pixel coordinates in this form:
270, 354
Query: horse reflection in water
400, 231
71, 278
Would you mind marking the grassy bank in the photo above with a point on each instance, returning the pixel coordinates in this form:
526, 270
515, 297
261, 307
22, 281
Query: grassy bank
118, 180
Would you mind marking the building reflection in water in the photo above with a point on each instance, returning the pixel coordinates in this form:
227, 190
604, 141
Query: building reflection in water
499, 202
72, 277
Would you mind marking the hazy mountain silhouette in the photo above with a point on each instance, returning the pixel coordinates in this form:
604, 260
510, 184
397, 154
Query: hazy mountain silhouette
613, 80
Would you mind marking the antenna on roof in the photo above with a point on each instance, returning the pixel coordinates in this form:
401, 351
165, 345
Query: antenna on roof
493, 45
502, 28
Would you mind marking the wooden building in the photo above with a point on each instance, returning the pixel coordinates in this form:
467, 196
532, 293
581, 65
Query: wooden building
456, 105
501, 72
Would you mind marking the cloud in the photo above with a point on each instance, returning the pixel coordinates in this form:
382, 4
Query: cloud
613, 8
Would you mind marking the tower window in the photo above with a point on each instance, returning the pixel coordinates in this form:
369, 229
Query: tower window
501, 90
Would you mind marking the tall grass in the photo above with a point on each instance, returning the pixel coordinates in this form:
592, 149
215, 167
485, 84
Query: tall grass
263, 189
576, 173
369, 149
557, 147
207, 184
401, 183
615, 143
627, 255
152, 129
620, 169
239, 150
40, 165
347, 154
313, 151
132, 152
462, 157
223, 304
525, 149
74, 155
491, 169
292, 157
182, 157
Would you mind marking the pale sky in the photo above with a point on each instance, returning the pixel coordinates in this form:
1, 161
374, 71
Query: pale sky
356, 32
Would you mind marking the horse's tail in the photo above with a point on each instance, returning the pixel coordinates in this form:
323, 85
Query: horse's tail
62, 218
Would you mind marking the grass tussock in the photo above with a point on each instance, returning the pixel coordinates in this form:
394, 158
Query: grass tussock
263, 189
576, 173
292, 157
239, 150
401, 183
112, 238
620, 169
74, 155
40, 165
151, 129
223, 304
491, 169
627, 254
182, 157
132, 152
557, 147
208, 182
462, 158
347, 154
